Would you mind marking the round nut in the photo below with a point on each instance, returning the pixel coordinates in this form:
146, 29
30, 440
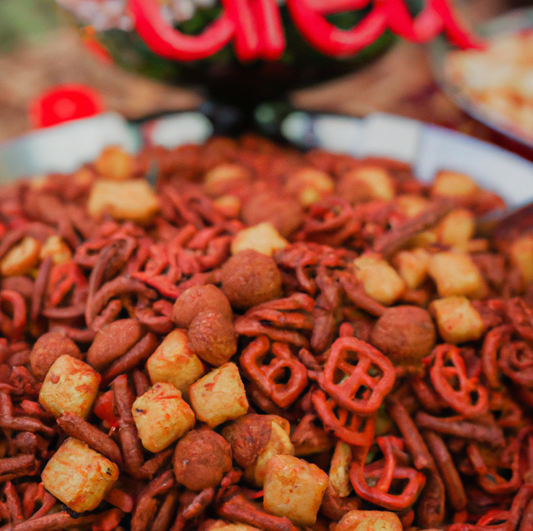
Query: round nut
201, 459
248, 436
212, 337
284, 212
250, 278
113, 341
198, 299
406, 334
48, 348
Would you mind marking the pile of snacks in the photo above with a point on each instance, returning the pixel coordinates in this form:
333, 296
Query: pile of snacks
267, 340
498, 81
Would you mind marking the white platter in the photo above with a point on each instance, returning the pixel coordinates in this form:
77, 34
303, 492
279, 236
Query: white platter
428, 148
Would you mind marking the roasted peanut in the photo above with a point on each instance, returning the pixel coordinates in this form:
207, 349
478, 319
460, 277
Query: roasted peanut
212, 337
113, 341
284, 213
201, 459
250, 278
406, 334
48, 348
198, 299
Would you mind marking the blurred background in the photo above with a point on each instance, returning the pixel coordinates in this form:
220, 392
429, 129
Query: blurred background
40, 48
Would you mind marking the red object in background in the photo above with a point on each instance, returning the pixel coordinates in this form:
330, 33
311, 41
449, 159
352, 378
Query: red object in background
63, 104
256, 29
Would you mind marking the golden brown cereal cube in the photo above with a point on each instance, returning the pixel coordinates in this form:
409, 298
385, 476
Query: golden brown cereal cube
219, 396
222, 525
161, 416
114, 164
453, 184
223, 178
55, 247
228, 205
309, 185
174, 362
521, 254
132, 200
380, 280
21, 258
263, 238
457, 228
366, 183
457, 319
340, 468
369, 521
412, 266
70, 386
411, 205
78, 476
279, 443
294, 488
455, 274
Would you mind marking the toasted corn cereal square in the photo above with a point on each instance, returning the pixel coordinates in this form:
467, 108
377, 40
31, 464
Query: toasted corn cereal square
279, 443
132, 200
263, 238
453, 184
78, 476
219, 396
521, 255
454, 274
174, 362
412, 266
70, 386
379, 278
161, 416
294, 488
457, 319
369, 521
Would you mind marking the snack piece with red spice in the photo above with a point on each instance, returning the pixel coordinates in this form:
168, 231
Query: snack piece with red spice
294, 488
78, 476
70, 386
174, 362
161, 416
219, 396
201, 459
250, 278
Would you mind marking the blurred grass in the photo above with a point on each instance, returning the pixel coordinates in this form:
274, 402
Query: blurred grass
26, 21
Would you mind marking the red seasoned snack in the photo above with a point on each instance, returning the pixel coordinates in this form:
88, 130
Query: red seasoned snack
48, 348
200, 299
406, 334
212, 337
113, 341
371, 370
201, 459
250, 278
